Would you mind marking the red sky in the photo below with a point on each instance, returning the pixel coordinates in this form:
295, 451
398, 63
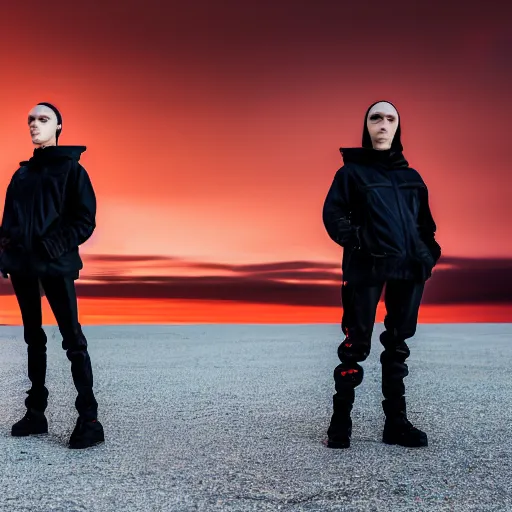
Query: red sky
213, 132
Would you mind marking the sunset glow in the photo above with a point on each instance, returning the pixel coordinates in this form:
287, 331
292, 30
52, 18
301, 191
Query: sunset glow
211, 151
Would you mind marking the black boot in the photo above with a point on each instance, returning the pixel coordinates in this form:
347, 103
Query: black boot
33, 423
347, 376
398, 429
86, 433
340, 428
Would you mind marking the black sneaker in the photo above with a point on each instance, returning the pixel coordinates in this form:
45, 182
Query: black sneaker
33, 423
86, 434
404, 434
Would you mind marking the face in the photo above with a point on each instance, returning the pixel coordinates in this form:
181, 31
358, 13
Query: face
43, 126
382, 123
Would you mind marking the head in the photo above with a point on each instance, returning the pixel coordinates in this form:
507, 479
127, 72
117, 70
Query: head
382, 127
45, 124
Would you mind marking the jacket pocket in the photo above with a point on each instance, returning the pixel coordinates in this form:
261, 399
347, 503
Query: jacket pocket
382, 233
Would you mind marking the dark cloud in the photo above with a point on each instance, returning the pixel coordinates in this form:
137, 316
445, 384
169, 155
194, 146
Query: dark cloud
285, 266
471, 281
456, 281
258, 267
260, 291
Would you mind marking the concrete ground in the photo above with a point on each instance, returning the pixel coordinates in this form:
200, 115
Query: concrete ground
207, 418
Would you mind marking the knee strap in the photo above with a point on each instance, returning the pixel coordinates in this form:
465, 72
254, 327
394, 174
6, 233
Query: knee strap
395, 353
348, 374
350, 351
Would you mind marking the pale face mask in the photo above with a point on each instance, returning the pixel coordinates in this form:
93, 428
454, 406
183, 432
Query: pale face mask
382, 123
43, 126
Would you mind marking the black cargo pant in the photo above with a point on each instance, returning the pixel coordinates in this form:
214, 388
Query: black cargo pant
61, 295
402, 300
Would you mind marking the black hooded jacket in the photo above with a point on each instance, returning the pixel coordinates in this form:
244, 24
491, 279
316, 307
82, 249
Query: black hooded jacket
377, 209
50, 209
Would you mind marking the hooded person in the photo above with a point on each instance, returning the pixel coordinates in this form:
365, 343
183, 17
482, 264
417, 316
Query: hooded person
377, 210
49, 211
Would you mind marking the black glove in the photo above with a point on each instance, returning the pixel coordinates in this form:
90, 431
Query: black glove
425, 262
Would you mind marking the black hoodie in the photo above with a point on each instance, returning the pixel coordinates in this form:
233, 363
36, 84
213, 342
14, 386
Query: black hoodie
377, 209
50, 209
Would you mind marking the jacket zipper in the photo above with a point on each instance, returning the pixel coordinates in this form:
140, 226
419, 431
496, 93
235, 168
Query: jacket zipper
29, 241
399, 204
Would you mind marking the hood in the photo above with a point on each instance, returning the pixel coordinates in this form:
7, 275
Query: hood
387, 158
54, 153
396, 144
392, 158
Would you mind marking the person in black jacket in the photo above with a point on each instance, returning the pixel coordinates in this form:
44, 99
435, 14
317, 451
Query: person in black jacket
50, 209
377, 209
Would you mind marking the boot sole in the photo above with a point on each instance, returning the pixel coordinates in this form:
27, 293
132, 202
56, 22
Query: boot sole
84, 446
394, 442
337, 444
37, 434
